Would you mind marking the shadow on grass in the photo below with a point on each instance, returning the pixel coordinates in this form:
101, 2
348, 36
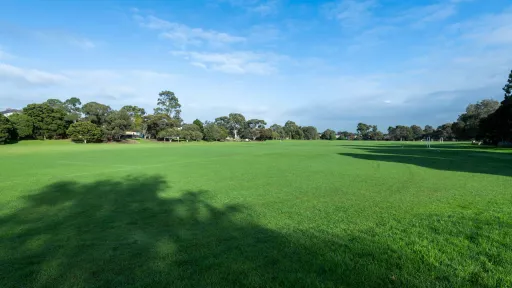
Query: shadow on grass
123, 234
449, 158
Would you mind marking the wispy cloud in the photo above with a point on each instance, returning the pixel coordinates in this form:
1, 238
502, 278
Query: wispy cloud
261, 7
183, 35
83, 43
350, 13
10, 73
233, 63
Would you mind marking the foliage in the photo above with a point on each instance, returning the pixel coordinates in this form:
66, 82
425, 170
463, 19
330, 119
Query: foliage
428, 131
84, 131
508, 88
328, 135
49, 123
293, 131
116, 124
74, 109
467, 126
278, 132
169, 104
310, 133
400, 132
363, 130
214, 132
96, 113
192, 132
199, 124
24, 125
417, 132
154, 124
7, 130
345, 135
254, 127
170, 133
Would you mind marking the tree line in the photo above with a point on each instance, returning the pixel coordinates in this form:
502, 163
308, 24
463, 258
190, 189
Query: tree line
487, 120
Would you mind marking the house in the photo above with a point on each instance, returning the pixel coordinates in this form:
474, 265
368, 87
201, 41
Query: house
132, 134
9, 112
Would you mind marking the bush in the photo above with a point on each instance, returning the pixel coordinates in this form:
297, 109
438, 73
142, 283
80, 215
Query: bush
84, 132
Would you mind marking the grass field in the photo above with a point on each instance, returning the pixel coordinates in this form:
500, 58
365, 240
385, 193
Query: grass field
274, 214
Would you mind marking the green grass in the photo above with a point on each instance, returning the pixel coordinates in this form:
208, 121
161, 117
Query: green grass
274, 214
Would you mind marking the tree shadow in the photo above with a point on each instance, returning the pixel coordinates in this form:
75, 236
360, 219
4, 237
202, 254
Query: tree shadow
122, 233
446, 158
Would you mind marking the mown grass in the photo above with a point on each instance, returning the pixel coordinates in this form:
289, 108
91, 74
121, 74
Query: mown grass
274, 214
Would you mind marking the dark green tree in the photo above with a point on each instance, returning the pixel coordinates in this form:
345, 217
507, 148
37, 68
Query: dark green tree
214, 132
116, 125
310, 133
169, 104
84, 131
154, 124
49, 123
96, 113
24, 125
254, 127
417, 132
508, 88
8, 131
74, 109
199, 124
467, 126
328, 135
363, 130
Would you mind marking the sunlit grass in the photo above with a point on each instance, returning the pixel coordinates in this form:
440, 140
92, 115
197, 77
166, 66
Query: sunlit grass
291, 213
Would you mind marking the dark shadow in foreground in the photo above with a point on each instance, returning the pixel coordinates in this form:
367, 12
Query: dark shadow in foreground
123, 234
441, 159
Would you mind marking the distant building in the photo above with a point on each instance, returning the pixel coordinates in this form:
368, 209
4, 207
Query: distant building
132, 134
9, 112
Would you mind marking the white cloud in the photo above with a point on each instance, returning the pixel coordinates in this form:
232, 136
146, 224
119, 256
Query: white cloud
83, 43
233, 63
10, 73
261, 7
350, 12
265, 8
184, 35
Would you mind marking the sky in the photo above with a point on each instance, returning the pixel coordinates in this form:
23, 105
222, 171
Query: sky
330, 64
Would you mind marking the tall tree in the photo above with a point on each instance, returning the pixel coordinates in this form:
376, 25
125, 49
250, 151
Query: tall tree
310, 133
428, 131
293, 131
7, 130
74, 109
468, 123
233, 123
48, 122
508, 88
24, 125
363, 130
169, 104
116, 124
55, 103
279, 130
328, 135
96, 113
199, 124
214, 132
154, 124
253, 128
417, 132
136, 114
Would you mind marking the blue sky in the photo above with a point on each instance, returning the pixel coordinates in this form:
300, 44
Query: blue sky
330, 64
